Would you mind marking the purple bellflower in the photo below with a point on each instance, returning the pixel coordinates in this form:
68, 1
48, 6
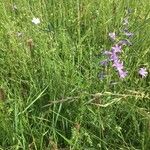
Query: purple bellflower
122, 73
113, 57
116, 48
118, 65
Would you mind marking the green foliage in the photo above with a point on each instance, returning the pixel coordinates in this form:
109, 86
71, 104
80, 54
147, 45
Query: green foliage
50, 94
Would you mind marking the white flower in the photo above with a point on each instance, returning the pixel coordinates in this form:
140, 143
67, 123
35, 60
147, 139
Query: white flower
36, 20
112, 35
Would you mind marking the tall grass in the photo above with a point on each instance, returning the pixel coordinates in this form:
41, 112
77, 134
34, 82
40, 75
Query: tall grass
51, 96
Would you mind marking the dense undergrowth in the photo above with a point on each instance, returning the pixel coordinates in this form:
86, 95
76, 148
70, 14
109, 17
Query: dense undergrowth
55, 94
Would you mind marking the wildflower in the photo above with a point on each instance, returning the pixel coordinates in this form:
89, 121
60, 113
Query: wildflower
112, 35
116, 48
143, 72
118, 65
113, 56
36, 21
122, 73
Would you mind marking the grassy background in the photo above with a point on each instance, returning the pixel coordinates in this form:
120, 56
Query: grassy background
51, 96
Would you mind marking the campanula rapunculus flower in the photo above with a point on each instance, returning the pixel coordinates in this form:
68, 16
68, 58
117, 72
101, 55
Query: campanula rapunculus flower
122, 73
118, 65
116, 48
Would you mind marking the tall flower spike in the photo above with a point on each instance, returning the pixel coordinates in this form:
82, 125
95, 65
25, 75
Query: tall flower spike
114, 56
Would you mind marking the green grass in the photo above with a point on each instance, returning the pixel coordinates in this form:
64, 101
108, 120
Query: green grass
51, 96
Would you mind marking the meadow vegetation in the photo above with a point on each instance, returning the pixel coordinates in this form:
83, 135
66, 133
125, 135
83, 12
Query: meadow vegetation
54, 92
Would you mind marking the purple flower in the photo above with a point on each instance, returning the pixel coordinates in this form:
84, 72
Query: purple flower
112, 35
114, 56
143, 72
116, 48
118, 65
36, 21
122, 73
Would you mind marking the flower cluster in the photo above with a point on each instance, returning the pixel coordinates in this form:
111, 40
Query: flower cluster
116, 49
116, 62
